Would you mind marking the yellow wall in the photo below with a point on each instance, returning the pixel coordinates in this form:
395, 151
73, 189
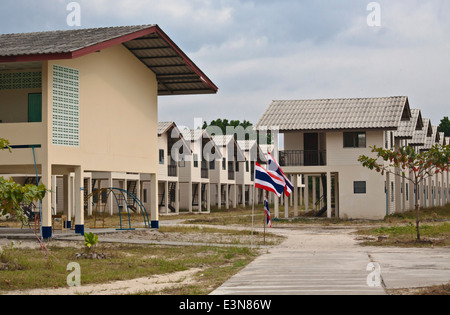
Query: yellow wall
118, 114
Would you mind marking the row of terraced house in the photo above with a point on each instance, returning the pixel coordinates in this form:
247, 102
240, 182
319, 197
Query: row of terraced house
80, 109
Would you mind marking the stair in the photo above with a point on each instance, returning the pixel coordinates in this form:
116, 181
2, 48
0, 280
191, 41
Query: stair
131, 202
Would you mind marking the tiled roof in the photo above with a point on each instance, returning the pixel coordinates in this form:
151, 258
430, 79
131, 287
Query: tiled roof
175, 72
335, 114
406, 129
420, 136
57, 42
164, 126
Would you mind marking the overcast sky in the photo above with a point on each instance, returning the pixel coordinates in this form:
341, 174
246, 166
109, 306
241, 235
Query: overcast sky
257, 51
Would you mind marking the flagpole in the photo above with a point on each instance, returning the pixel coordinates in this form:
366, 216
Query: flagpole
253, 202
265, 223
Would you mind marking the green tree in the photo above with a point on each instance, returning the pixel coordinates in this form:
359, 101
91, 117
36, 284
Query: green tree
13, 194
224, 123
414, 166
445, 126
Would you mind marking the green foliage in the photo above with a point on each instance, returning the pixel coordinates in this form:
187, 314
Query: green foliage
445, 126
4, 144
13, 194
414, 166
90, 240
246, 126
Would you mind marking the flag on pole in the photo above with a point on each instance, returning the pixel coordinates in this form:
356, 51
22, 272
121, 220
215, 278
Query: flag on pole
268, 180
275, 167
266, 209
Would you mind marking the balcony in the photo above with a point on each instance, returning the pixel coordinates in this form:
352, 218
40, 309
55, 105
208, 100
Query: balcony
303, 158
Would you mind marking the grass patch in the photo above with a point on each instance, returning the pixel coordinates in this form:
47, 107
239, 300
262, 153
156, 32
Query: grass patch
433, 290
437, 234
125, 262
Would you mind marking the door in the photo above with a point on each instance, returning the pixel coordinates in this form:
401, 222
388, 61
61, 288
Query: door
311, 144
35, 107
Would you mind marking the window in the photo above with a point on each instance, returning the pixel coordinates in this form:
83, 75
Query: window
359, 187
237, 166
224, 164
407, 191
161, 157
196, 160
247, 166
354, 139
212, 165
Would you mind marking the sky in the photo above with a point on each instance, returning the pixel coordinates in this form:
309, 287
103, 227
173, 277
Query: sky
257, 51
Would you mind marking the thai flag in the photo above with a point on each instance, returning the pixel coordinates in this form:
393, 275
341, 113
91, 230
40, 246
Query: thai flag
268, 180
266, 209
275, 167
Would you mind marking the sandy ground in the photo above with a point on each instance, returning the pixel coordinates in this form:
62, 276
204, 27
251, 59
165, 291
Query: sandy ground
306, 238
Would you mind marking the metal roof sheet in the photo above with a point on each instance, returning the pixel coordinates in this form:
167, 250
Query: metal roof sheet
335, 114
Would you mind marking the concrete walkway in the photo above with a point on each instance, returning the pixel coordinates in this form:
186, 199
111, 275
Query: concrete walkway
324, 261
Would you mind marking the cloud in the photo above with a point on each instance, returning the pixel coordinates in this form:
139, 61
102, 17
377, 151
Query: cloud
260, 50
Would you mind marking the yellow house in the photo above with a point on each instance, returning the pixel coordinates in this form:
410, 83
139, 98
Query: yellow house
86, 100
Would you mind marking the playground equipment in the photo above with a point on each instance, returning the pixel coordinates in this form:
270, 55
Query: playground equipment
101, 197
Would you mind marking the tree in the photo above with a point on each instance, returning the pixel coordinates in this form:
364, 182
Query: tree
223, 124
445, 126
13, 194
414, 166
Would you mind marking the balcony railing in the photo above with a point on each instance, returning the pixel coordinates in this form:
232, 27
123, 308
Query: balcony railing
303, 158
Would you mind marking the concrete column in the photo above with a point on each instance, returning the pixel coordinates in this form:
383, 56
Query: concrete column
111, 196
177, 197
314, 192
166, 196
227, 197
89, 193
190, 197
138, 194
219, 196
154, 201
336, 195
53, 194
46, 219
306, 193
208, 197
79, 200
234, 196
243, 195
67, 200
199, 192
329, 210
295, 195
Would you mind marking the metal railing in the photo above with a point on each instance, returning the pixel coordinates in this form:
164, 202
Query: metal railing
303, 158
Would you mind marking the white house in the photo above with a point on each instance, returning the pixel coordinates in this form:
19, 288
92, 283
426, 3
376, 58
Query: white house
223, 176
323, 139
86, 101
195, 171
171, 145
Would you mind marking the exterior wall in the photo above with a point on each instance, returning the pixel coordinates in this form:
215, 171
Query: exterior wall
344, 161
118, 107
